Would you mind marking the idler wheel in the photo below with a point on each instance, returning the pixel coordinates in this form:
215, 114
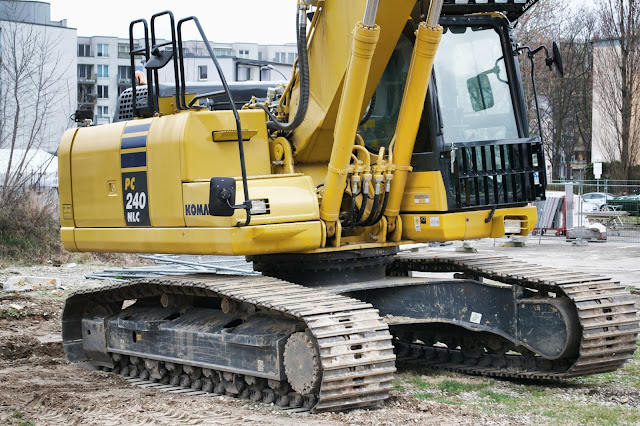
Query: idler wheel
302, 363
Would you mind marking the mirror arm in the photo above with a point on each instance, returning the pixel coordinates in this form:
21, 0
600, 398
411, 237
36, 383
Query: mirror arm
530, 54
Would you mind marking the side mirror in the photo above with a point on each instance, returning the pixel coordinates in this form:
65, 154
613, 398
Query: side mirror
556, 59
480, 92
222, 196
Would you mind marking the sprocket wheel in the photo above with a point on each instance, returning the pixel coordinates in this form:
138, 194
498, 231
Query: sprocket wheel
302, 363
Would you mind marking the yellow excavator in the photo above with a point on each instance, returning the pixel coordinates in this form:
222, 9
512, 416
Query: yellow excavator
404, 122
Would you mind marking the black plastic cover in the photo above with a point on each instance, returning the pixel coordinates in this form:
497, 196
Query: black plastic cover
222, 196
512, 8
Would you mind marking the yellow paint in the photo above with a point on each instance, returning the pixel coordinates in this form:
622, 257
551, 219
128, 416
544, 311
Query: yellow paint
164, 174
421, 227
424, 191
203, 158
424, 52
64, 178
95, 161
291, 199
261, 239
328, 60
364, 44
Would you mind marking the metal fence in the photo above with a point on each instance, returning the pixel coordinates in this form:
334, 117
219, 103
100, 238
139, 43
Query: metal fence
617, 206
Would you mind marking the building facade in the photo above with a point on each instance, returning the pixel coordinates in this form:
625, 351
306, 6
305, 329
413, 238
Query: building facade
607, 103
45, 80
104, 68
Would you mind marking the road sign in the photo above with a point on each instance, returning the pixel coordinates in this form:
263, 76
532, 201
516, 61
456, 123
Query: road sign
597, 170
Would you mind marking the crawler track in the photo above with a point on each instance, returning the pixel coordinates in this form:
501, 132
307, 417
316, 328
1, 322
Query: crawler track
356, 351
607, 314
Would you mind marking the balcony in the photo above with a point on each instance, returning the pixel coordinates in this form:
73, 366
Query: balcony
123, 55
86, 99
88, 79
124, 81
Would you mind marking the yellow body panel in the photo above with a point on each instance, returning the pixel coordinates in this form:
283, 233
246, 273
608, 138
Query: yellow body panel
203, 158
163, 149
421, 227
290, 199
64, 179
424, 191
261, 239
96, 177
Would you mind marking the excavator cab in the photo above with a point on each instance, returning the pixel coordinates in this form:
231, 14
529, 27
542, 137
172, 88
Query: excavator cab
474, 129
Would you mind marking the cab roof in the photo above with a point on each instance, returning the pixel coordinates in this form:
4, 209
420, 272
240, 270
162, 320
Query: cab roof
513, 9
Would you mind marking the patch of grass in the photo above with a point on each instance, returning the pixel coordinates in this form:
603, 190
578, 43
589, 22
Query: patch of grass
10, 313
419, 383
456, 387
497, 396
424, 396
18, 419
397, 385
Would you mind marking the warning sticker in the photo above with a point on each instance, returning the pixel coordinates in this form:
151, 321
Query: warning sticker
416, 223
476, 317
434, 221
421, 199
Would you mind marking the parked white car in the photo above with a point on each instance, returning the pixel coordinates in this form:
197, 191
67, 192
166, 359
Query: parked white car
600, 199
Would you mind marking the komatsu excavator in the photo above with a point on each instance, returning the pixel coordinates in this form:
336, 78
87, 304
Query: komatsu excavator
404, 122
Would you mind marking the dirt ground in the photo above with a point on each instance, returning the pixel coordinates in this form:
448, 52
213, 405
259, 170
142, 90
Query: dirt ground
37, 386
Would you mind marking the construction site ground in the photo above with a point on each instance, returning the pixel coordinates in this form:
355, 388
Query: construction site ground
37, 386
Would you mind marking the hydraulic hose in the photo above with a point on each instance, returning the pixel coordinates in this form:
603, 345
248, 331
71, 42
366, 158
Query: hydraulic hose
372, 106
303, 62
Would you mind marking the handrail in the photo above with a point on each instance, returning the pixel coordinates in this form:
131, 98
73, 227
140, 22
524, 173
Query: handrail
247, 202
147, 54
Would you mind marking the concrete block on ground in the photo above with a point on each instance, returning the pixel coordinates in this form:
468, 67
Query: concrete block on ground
31, 283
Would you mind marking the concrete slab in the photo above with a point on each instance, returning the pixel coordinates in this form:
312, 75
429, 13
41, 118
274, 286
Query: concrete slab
618, 260
23, 283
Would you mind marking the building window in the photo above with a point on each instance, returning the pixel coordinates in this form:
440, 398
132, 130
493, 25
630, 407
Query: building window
103, 50
85, 71
124, 74
259, 56
103, 111
243, 54
292, 57
244, 74
103, 70
223, 52
123, 51
202, 72
281, 57
103, 92
84, 50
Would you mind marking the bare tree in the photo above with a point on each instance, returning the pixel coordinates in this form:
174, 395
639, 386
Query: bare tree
30, 96
616, 82
565, 103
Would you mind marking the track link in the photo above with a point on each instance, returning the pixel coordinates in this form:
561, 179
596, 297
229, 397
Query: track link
606, 311
355, 345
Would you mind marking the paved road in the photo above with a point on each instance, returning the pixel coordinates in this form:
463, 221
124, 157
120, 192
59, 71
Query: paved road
617, 260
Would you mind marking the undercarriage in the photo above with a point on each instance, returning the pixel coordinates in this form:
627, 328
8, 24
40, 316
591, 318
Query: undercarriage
333, 342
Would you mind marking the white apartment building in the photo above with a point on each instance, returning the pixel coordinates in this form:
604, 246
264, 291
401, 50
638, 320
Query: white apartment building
104, 68
46, 50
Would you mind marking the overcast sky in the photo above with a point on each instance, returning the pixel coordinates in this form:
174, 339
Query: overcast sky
259, 21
